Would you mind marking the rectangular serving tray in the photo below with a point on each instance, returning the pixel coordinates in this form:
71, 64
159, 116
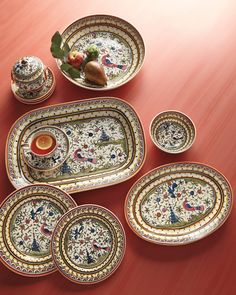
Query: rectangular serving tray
106, 144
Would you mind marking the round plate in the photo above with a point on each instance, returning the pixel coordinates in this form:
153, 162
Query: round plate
36, 97
53, 161
88, 244
27, 219
121, 48
172, 132
178, 203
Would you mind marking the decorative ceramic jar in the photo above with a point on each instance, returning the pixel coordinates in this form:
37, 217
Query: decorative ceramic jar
29, 74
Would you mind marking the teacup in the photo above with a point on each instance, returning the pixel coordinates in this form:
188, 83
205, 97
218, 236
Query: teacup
41, 144
29, 74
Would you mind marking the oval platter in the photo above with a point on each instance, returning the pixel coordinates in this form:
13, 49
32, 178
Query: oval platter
88, 244
121, 48
28, 217
178, 203
107, 144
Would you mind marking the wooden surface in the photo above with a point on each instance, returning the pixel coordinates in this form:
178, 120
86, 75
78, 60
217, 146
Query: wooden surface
190, 66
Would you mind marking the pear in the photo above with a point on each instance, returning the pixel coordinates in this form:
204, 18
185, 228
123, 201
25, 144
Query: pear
94, 72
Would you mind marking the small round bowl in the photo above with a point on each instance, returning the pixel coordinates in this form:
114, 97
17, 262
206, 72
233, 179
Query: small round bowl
172, 132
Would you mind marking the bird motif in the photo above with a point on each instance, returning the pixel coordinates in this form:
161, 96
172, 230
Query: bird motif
188, 207
79, 157
45, 231
34, 213
106, 62
77, 231
171, 190
55, 159
98, 247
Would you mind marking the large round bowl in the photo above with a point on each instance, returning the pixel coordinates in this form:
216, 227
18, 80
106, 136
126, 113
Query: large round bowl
121, 48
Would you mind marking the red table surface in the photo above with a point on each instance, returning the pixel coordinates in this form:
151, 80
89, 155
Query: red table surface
190, 66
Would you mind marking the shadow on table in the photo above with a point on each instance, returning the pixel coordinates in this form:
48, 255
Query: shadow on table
170, 254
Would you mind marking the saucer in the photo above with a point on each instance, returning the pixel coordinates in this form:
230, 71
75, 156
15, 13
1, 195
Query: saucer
36, 97
54, 160
172, 132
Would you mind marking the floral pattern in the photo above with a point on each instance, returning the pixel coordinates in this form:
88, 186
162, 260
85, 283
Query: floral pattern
178, 203
96, 144
115, 54
89, 242
32, 226
171, 135
52, 161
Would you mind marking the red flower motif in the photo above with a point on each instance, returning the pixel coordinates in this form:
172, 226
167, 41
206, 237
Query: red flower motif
178, 195
27, 221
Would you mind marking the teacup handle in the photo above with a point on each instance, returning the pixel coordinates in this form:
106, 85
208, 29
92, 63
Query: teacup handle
12, 78
25, 146
46, 73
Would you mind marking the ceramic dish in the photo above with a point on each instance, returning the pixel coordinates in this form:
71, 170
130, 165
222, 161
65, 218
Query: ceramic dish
107, 144
27, 220
29, 74
50, 162
121, 48
88, 244
36, 97
178, 203
172, 132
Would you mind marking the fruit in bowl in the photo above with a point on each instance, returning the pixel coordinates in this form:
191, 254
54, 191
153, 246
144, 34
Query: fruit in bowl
75, 59
94, 72
74, 62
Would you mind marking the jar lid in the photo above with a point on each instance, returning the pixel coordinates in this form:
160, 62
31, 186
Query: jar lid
28, 68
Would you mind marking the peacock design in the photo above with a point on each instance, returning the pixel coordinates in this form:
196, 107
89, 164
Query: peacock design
89, 242
32, 226
177, 202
